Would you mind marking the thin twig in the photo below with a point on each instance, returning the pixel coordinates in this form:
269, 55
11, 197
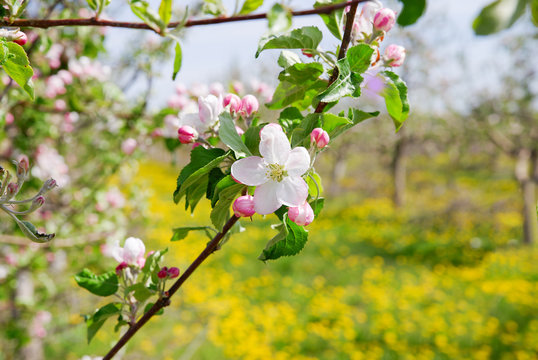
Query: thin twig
44, 23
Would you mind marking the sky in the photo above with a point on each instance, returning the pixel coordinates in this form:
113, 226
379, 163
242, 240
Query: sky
210, 53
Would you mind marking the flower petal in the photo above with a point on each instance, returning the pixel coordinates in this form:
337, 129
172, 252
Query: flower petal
192, 120
292, 191
250, 171
274, 145
298, 161
116, 251
265, 199
132, 250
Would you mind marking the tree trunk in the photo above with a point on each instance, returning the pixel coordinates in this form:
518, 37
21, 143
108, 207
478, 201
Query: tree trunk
527, 185
399, 169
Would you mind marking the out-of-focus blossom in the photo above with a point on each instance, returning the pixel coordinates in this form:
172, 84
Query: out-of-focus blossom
115, 198
10, 118
128, 146
216, 89
50, 164
132, 252
301, 215
60, 105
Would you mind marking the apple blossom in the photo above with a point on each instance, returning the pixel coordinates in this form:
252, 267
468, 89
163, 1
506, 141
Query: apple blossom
209, 108
277, 174
187, 134
301, 215
173, 272
128, 146
60, 105
216, 89
20, 38
384, 20
10, 119
243, 206
163, 273
394, 55
363, 26
234, 101
319, 137
249, 105
132, 252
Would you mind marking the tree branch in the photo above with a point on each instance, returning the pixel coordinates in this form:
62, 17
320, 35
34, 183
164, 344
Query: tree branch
44, 23
165, 301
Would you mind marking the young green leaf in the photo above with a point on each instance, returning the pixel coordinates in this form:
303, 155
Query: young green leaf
346, 84
102, 285
140, 292
250, 5
17, 66
182, 232
213, 7
301, 134
177, 60
221, 211
228, 135
145, 13
30, 231
224, 183
412, 10
499, 15
289, 241
395, 95
313, 180
335, 20
165, 11
355, 117
359, 58
252, 139
307, 37
279, 19
96, 321
289, 119
288, 58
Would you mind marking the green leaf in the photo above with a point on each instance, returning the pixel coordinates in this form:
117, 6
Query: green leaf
497, 16
213, 7
96, 321
301, 134
313, 180
177, 60
140, 292
252, 139
534, 11
30, 231
289, 241
221, 211
317, 205
182, 232
228, 135
215, 176
333, 123
288, 58
102, 285
359, 58
395, 95
250, 5
196, 191
346, 84
18, 68
289, 119
355, 116
4, 52
165, 11
224, 183
279, 19
412, 10
151, 267
92, 4
299, 83
145, 13
335, 20
307, 37
202, 161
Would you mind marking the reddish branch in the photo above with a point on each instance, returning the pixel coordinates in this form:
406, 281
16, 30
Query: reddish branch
44, 23
213, 244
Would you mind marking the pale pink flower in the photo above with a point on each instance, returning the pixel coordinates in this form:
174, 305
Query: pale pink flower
216, 89
21, 38
363, 26
66, 76
277, 174
60, 105
209, 108
128, 146
177, 101
115, 198
9, 118
238, 87
249, 105
394, 55
301, 215
171, 125
199, 89
50, 164
181, 89
132, 252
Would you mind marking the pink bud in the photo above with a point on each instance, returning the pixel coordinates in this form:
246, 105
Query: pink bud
38, 201
10, 118
128, 146
384, 20
243, 206
49, 184
394, 55
301, 215
163, 273
234, 101
187, 134
319, 137
120, 267
12, 188
24, 163
173, 272
249, 105
21, 38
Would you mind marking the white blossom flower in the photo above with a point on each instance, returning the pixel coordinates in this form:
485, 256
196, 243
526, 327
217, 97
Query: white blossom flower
277, 174
207, 117
132, 252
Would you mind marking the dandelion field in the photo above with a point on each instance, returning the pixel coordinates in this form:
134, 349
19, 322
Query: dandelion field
426, 281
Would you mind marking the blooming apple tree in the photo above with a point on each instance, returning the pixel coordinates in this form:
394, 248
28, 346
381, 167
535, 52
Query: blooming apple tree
243, 164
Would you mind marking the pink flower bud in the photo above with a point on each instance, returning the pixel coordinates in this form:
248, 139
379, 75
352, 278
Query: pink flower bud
394, 55
234, 101
10, 119
301, 215
187, 134
243, 206
384, 20
319, 137
21, 38
163, 273
173, 272
128, 146
12, 189
307, 53
120, 267
49, 184
24, 163
38, 202
249, 105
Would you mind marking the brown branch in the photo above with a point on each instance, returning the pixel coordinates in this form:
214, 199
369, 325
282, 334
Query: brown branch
44, 23
350, 17
165, 301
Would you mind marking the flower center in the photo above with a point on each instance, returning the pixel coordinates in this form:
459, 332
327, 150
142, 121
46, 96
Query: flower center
276, 172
